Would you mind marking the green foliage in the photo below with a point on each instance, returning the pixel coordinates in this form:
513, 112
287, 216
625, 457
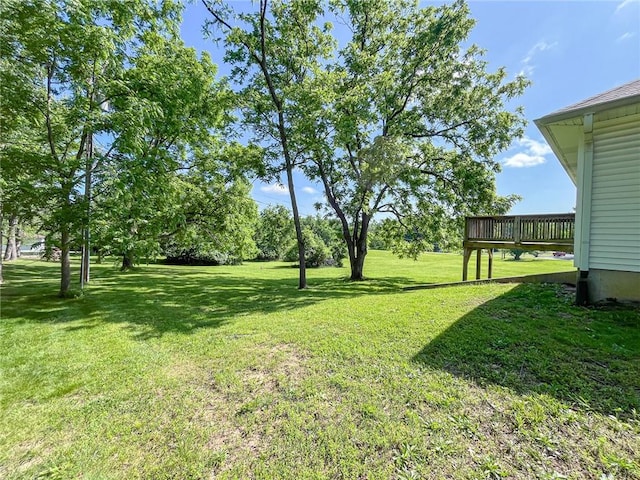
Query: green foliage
316, 252
275, 51
376, 239
117, 73
171, 171
328, 230
401, 119
216, 223
517, 253
415, 142
276, 241
274, 233
197, 255
64, 75
393, 235
323, 244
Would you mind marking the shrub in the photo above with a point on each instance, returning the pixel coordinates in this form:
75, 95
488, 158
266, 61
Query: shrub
316, 252
274, 233
516, 253
338, 253
198, 256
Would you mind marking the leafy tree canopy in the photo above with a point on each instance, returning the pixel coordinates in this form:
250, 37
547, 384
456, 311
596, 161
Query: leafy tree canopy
401, 120
274, 233
103, 96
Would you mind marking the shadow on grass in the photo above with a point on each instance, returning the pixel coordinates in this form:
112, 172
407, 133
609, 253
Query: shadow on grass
533, 340
154, 301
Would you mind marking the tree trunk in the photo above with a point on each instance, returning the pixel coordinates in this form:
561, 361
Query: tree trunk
85, 267
127, 261
284, 143
358, 249
1, 234
65, 262
11, 252
18, 242
357, 266
302, 277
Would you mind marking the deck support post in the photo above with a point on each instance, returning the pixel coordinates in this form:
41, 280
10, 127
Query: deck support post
478, 263
465, 263
490, 269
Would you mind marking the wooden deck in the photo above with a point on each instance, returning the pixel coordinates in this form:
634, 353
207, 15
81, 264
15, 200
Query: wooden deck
554, 232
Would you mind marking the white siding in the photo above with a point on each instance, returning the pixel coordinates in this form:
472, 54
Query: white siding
615, 197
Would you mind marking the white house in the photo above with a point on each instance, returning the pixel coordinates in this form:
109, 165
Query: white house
598, 143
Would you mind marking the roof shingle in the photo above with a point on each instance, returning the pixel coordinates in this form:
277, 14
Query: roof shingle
627, 90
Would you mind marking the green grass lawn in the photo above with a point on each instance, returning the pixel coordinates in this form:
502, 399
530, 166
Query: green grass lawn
231, 372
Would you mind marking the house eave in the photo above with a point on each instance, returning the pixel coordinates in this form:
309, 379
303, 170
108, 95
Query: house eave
564, 115
569, 166
562, 129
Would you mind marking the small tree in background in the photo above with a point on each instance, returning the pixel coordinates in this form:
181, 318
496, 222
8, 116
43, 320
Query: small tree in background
316, 251
275, 233
517, 253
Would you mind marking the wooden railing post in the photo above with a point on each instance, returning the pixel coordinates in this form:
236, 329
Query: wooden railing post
516, 230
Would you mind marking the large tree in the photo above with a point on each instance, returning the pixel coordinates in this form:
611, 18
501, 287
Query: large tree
411, 125
61, 60
400, 120
275, 51
116, 110
167, 115
201, 206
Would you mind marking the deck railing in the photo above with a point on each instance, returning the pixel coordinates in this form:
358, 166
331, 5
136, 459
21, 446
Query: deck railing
527, 232
517, 229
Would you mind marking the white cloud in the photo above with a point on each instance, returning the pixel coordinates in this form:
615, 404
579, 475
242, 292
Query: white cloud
533, 154
275, 188
309, 190
623, 4
523, 160
625, 36
535, 147
541, 46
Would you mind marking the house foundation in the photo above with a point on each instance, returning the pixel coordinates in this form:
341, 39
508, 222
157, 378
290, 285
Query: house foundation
613, 284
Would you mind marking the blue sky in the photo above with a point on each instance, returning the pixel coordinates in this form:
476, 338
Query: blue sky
570, 50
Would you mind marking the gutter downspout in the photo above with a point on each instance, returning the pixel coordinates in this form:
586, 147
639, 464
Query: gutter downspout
585, 183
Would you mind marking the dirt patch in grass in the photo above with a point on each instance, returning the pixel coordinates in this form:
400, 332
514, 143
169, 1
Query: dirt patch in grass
28, 456
282, 367
183, 370
241, 405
